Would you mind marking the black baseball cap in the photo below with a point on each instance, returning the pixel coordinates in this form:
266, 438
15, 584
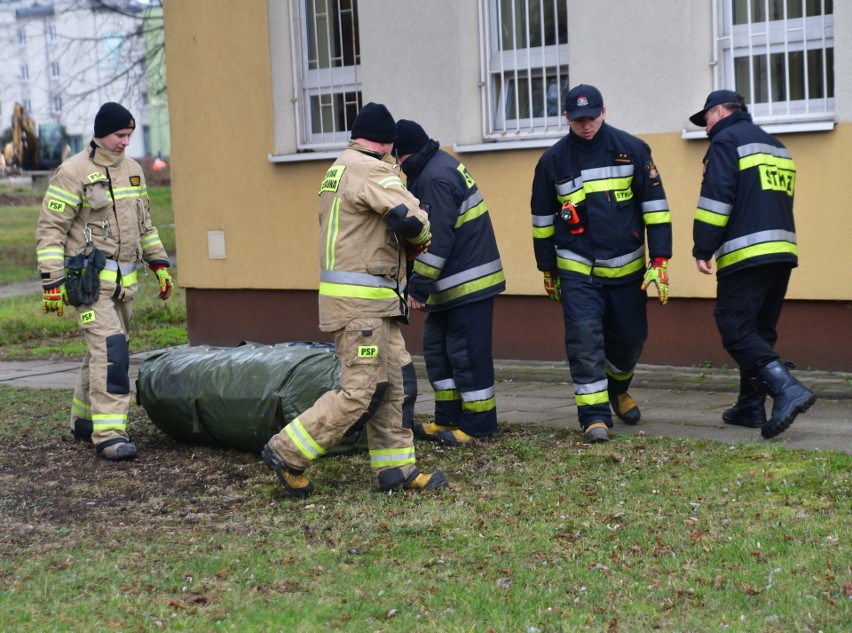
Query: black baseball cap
583, 100
717, 97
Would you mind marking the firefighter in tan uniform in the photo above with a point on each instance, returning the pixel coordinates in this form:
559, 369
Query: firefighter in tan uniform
98, 198
366, 215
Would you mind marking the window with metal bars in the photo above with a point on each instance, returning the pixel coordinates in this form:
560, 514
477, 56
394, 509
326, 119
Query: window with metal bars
779, 54
526, 61
329, 77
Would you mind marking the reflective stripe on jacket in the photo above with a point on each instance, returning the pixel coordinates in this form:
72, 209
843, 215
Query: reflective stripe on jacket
463, 263
745, 210
617, 190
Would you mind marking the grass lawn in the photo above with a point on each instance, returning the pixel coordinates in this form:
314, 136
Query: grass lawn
535, 533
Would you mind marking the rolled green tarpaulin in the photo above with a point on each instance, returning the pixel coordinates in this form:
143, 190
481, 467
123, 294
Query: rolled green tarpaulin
237, 397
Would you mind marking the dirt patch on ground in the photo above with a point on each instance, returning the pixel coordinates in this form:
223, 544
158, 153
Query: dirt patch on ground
8, 199
55, 490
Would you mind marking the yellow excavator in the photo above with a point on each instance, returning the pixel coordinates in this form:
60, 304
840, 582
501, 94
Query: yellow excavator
31, 151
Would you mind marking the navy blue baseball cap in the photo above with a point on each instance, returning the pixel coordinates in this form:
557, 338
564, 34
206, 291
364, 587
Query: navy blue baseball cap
582, 100
717, 97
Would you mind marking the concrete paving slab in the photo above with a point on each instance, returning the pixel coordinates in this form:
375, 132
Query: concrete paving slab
682, 402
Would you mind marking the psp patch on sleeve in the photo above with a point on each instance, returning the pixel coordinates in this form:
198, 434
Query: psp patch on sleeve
56, 205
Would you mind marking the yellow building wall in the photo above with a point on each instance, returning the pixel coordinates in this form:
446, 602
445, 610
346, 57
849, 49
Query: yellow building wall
222, 134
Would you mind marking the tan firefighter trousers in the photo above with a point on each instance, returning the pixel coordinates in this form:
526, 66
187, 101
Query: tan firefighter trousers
372, 353
102, 393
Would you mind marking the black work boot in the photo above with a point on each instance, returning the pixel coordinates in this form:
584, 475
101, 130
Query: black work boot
117, 450
444, 434
748, 410
625, 408
596, 432
392, 479
789, 398
293, 480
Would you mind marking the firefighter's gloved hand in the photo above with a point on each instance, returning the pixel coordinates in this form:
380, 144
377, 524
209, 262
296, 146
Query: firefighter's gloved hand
658, 273
165, 279
552, 285
425, 237
55, 299
413, 250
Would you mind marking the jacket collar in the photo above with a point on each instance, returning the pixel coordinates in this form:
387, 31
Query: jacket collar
358, 147
580, 142
103, 157
415, 163
728, 121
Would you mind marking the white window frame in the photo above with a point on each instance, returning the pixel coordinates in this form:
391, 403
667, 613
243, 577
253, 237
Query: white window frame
755, 41
327, 84
503, 70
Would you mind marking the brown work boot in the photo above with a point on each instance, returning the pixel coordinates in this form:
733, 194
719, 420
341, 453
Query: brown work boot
625, 408
393, 479
293, 480
595, 432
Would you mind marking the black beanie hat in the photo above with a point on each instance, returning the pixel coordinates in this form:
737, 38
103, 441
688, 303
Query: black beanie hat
112, 117
374, 123
410, 137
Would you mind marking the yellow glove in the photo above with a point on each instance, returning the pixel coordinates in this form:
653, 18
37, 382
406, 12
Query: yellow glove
552, 284
165, 279
55, 299
658, 274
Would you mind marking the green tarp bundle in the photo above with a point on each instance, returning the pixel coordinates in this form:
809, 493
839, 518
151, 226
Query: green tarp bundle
237, 397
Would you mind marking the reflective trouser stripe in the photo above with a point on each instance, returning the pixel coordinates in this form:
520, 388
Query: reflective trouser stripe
391, 457
109, 422
592, 393
447, 395
476, 406
80, 409
303, 440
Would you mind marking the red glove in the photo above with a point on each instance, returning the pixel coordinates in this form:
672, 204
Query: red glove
165, 279
552, 284
413, 250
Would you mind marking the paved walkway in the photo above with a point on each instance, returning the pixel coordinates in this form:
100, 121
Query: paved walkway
684, 402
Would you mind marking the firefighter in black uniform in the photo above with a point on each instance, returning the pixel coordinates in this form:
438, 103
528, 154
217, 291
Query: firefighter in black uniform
455, 282
595, 194
745, 218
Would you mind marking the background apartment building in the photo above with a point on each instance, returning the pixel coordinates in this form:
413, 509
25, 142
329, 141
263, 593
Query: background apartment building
63, 59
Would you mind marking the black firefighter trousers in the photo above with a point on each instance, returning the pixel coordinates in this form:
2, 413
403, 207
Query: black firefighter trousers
748, 305
606, 326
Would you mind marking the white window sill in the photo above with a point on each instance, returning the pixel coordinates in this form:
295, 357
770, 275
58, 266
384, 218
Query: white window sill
304, 157
538, 143
772, 128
